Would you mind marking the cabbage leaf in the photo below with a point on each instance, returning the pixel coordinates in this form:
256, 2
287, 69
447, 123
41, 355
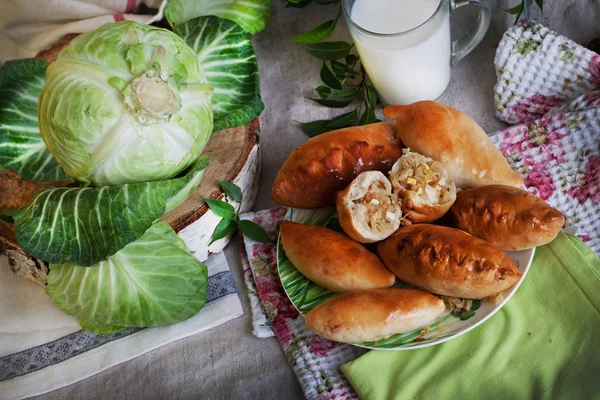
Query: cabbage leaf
151, 282
229, 64
21, 146
251, 15
84, 226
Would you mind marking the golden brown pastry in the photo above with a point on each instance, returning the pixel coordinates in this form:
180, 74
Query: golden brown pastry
448, 261
326, 164
454, 139
371, 315
367, 210
507, 217
422, 186
333, 260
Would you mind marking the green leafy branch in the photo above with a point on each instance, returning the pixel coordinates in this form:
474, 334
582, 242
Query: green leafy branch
231, 217
525, 9
344, 78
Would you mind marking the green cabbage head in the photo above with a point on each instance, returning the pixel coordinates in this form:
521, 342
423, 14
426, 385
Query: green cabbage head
125, 103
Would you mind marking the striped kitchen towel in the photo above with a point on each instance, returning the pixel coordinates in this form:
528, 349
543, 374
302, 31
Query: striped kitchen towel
42, 349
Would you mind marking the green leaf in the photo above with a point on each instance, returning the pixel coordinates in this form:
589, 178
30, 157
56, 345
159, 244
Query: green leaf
315, 128
151, 282
466, 315
326, 2
342, 70
231, 190
329, 78
333, 103
344, 120
354, 93
328, 50
323, 91
368, 117
21, 146
540, 4
224, 228
220, 208
515, 10
351, 59
251, 15
455, 314
254, 231
98, 327
476, 304
227, 58
297, 4
371, 96
319, 33
86, 225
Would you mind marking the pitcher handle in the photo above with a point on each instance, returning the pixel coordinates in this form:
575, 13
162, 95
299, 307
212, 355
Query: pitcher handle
465, 44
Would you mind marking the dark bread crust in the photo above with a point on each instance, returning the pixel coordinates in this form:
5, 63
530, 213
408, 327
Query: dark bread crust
326, 164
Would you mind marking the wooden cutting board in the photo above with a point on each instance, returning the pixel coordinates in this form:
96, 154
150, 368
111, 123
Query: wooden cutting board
234, 157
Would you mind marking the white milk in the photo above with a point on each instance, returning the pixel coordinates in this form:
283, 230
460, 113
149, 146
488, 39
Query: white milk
405, 68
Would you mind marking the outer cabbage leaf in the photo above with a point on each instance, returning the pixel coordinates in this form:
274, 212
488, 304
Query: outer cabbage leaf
151, 282
125, 103
251, 15
229, 64
21, 146
84, 226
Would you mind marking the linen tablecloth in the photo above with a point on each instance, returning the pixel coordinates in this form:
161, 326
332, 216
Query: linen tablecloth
229, 362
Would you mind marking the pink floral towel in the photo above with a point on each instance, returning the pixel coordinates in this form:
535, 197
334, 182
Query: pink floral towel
316, 361
546, 82
538, 70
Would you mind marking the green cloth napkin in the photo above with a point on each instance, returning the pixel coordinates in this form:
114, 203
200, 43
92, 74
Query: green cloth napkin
543, 344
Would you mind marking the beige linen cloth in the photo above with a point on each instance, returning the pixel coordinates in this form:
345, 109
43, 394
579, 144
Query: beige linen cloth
28, 26
41, 348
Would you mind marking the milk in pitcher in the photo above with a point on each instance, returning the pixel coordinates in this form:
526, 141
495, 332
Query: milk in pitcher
405, 64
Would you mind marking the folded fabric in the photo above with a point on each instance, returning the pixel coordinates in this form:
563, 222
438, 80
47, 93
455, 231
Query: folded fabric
261, 326
28, 26
42, 349
549, 84
542, 344
538, 70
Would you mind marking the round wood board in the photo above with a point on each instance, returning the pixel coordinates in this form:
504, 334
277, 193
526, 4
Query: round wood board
234, 157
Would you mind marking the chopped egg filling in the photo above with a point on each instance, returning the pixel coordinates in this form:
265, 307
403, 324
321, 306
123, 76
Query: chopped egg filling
380, 207
423, 178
